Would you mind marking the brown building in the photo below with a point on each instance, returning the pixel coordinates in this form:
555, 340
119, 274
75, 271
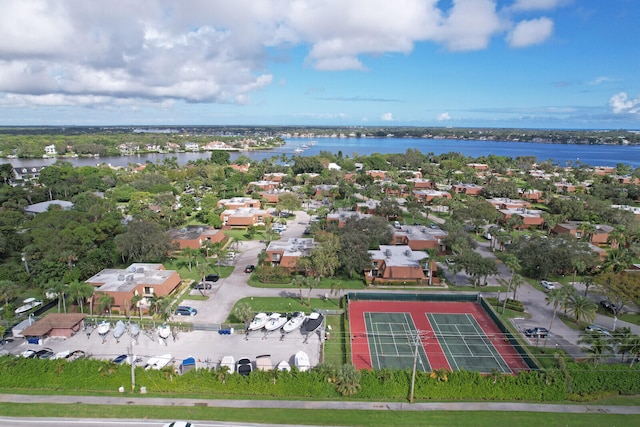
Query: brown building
427, 196
239, 203
469, 189
399, 264
141, 279
287, 253
55, 325
420, 238
530, 217
244, 217
599, 235
195, 236
341, 217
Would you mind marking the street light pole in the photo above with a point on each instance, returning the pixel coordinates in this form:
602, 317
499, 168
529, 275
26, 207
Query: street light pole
415, 363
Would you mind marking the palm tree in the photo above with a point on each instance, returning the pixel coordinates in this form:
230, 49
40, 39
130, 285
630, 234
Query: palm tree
348, 380
80, 291
135, 302
8, 290
513, 264
68, 257
104, 302
582, 308
243, 312
59, 288
189, 254
336, 288
598, 347
299, 282
554, 297
622, 337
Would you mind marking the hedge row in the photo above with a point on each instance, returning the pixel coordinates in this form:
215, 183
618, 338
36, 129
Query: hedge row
579, 381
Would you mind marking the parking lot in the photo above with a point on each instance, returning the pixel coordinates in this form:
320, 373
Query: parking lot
207, 347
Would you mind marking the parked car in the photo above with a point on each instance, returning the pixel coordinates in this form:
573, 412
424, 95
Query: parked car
548, 285
202, 285
597, 330
45, 353
609, 306
244, 367
536, 332
120, 359
249, 268
184, 310
432, 225
396, 224
211, 278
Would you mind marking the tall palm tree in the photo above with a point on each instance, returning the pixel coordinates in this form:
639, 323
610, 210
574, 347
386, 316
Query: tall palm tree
598, 346
513, 264
189, 254
582, 308
104, 302
554, 297
80, 291
59, 288
622, 338
135, 302
8, 290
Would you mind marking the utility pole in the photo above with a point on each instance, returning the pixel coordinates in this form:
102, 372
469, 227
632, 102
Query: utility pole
415, 364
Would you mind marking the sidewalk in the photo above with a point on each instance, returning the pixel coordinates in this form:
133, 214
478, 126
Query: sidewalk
334, 405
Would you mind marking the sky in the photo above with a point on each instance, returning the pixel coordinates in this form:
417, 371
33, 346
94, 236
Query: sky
572, 64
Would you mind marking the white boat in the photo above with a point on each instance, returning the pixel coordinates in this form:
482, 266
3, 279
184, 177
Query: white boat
283, 366
229, 362
301, 359
275, 322
312, 322
158, 362
164, 331
103, 328
295, 322
118, 331
298, 150
258, 322
263, 362
29, 303
134, 330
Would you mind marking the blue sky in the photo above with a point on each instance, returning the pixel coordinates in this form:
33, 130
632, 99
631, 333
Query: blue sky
490, 63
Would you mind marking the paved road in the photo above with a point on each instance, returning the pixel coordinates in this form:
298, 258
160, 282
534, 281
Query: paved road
333, 405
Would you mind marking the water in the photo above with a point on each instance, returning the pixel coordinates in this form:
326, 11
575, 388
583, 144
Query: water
595, 155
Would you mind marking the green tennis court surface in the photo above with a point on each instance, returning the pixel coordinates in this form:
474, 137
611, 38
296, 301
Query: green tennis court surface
391, 339
465, 344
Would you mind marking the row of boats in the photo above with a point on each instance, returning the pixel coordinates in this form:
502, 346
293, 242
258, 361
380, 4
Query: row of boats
277, 321
103, 328
244, 365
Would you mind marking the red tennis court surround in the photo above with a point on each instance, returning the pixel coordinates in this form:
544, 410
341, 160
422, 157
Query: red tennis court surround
360, 353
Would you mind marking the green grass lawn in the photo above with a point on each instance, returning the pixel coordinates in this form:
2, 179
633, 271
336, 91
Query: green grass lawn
335, 351
383, 418
325, 283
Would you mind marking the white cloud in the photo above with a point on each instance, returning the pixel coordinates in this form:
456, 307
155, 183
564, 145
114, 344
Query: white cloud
470, 25
600, 80
527, 33
621, 103
386, 117
204, 51
443, 117
537, 4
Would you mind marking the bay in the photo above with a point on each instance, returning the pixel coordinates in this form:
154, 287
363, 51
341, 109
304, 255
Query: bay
561, 154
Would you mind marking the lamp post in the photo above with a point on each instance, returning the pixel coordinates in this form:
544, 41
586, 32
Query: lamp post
415, 363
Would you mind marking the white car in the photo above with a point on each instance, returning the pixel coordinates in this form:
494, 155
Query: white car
548, 285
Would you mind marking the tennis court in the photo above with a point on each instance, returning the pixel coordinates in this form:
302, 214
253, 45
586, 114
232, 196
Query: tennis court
465, 344
392, 341
451, 335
